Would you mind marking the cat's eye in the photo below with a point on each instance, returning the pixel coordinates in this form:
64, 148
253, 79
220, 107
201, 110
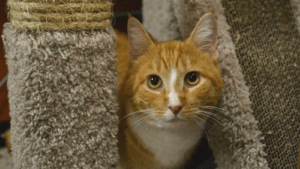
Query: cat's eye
154, 82
192, 78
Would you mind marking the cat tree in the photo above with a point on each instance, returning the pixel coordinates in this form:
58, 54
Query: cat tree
62, 81
258, 46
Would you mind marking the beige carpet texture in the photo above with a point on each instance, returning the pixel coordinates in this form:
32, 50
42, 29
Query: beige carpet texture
62, 90
62, 98
268, 48
296, 10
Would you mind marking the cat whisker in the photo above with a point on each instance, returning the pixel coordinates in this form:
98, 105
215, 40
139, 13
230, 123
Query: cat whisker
136, 112
191, 113
213, 115
201, 123
137, 122
140, 120
146, 126
159, 111
218, 119
213, 108
194, 110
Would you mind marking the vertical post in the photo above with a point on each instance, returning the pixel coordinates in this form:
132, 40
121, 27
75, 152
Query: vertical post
62, 83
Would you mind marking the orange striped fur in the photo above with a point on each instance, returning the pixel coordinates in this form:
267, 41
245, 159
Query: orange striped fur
139, 132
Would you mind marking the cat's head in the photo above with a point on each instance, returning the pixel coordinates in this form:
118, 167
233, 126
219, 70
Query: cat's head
173, 83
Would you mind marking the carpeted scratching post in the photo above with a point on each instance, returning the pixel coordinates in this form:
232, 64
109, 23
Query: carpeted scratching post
62, 84
267, 46
167, 25
296, 10
258, 45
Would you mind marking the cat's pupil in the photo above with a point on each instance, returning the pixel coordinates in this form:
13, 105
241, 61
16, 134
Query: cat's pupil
192, 77
154, 80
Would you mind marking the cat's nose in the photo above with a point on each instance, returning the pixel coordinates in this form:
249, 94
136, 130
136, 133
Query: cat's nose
175, 109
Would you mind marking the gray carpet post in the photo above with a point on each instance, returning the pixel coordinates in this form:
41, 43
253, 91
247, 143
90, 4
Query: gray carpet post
62, 83
159, 20
296, 10
268, 48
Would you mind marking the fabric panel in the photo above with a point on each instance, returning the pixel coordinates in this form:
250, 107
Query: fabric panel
62, 95
267, 46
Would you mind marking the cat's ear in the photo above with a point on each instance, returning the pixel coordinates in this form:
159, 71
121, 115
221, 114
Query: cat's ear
139, 39
204, 35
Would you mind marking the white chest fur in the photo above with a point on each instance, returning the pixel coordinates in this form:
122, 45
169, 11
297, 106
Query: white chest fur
168, 145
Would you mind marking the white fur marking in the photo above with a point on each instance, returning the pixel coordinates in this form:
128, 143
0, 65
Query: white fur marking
168, 145
169, 115
173, 97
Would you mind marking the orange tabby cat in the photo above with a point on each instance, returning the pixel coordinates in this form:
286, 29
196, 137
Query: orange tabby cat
165, 92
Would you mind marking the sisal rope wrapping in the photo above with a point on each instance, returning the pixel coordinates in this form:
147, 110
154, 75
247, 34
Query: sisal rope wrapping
59, 14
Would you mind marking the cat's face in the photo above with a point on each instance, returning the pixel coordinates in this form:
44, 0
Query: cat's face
172, 83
